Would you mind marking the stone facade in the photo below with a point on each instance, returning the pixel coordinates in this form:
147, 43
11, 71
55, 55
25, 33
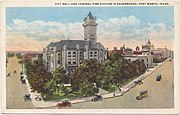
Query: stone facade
145, 56
71, 53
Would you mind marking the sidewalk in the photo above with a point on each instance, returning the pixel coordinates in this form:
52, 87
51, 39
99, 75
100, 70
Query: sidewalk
42, 104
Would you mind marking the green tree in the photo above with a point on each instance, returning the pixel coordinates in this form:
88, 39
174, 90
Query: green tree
142, 67
60, 76
56, 84
112, 74
126, 70
87, 88
38, 79
156, 60
18, 55
20, 61
28, 68
38, 76
91, 70
10, 54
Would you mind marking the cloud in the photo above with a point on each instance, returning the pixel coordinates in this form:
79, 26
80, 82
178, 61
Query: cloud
41, 30
159, 31
25, 43
117, 30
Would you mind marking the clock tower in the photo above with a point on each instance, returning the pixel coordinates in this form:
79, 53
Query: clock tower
90, 28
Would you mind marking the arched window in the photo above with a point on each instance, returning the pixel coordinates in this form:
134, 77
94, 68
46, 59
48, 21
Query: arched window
74, 52
69, 52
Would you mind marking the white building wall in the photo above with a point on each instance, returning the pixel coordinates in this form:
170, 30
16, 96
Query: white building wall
147, 60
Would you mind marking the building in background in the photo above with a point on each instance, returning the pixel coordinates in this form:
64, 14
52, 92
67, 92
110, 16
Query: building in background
31, 56
162, 53
71, 53
145, 55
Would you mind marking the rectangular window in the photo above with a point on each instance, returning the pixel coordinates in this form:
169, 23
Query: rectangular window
74, 61
80, 61
59, 60
147, 59
69, 61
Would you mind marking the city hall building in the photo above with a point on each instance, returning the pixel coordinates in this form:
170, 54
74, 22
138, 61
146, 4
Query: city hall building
71, 53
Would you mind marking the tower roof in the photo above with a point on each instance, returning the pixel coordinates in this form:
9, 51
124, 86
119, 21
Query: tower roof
148, 42
90, 16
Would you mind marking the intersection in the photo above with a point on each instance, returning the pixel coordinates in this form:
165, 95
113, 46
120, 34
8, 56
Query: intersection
160, 94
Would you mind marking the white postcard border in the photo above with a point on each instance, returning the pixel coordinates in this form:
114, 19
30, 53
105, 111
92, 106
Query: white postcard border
26, 3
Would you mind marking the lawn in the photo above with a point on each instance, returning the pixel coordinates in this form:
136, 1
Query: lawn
73, 95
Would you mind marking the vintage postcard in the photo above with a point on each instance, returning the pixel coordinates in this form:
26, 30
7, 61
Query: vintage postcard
105, 57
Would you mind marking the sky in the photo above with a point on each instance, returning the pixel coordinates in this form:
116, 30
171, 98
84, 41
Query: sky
32, 28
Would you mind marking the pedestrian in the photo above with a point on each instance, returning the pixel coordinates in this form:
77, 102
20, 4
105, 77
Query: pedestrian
114, 94
14, 71
119, 89
9, 75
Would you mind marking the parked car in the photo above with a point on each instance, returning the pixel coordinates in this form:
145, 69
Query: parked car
142, 94
23, 81
27, 97
38, 98
64, 103
138, 82
21, 73
158, 77
21, 77
97, 97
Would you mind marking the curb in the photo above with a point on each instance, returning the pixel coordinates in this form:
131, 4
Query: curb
116, 95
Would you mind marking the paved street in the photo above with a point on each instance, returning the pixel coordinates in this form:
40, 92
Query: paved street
15, 90
160, 93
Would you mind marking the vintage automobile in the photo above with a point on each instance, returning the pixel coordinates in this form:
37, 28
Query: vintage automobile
27, 97
38, 98
21, 77
23, 81
97, 97
158, 77
142, 94
138, 82
64, 103
21, 73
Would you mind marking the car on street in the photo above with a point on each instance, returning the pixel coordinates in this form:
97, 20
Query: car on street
138, 82
23, 81
21, 73
21, 77
97, 97
142, 94
38, 98
27, 97
158, 77
63, 103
